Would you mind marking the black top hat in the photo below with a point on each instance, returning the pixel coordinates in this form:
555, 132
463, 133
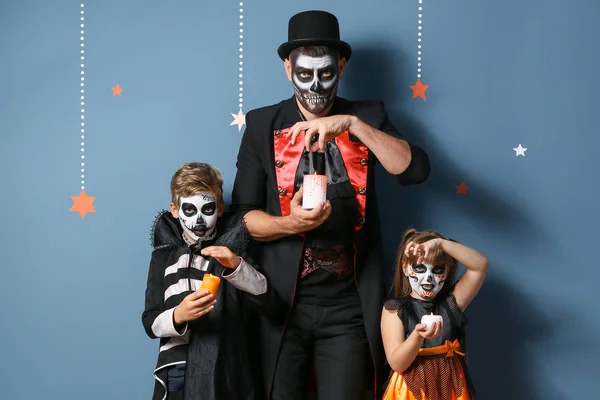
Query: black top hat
314, 28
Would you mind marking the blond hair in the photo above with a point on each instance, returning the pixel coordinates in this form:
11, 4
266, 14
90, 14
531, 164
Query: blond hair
402, 286
192, 178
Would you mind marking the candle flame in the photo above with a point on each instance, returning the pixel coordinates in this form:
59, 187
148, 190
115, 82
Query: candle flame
315, 172
432, 313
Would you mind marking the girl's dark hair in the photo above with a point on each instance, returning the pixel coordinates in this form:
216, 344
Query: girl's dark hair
402, 286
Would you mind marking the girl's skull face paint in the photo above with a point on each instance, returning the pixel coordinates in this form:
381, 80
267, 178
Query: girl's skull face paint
198, 215
427, 280
315, 80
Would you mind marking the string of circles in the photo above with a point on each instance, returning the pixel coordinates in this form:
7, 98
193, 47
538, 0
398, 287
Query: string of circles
241, 75
82, 66
82, 203
420, 28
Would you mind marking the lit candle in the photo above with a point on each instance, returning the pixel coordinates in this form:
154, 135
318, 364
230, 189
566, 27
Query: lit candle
211, 283
428, 320
315, 190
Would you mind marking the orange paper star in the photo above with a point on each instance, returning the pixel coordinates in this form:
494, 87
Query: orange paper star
117, 90
419, 89
462, 188
83, 204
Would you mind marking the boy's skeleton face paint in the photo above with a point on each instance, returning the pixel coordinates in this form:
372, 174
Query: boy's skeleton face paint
427, 280
315, 80
198, 215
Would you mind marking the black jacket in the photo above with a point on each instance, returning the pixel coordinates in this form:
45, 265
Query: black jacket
256, 186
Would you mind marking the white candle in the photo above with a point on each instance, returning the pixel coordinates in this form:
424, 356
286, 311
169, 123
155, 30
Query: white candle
428, 320
315, 191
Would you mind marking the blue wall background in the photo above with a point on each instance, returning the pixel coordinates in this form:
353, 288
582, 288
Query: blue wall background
500, 74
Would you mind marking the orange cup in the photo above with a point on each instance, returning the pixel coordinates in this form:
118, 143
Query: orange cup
211, 283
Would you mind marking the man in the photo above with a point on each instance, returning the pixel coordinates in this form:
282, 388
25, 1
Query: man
325, 262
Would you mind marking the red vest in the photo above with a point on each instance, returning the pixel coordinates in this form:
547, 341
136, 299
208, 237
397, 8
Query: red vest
287, 157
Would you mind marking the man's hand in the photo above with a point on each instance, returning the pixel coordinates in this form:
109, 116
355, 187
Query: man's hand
326, 128
193, 306
223, 255
305, 220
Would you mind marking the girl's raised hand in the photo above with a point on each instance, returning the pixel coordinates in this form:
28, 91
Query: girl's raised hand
422, 249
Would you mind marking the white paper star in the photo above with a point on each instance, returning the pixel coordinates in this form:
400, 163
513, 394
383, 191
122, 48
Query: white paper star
520, 151
239, 119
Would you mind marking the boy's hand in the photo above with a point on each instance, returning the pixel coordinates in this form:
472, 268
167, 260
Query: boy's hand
193, 306
423, 250
223, 255
432, 332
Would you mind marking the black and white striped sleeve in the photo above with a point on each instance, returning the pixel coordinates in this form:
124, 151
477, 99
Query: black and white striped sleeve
158, 321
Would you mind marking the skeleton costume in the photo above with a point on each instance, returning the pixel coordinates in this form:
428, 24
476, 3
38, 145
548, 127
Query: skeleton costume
330, 278
211, 352
440, 371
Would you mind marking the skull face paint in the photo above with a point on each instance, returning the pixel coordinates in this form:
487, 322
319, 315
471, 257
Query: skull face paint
427, 280
315, 80
198, 216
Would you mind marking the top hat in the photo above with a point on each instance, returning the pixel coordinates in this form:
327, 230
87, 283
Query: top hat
314, 28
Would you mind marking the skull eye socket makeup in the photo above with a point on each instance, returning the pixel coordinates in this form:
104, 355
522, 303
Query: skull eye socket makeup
304, 75
439, 269
189, 210
209, 208
419, 268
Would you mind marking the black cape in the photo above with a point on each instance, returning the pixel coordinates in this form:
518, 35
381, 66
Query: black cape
219, 363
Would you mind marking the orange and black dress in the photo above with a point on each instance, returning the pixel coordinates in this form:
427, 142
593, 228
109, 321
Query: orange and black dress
439, 372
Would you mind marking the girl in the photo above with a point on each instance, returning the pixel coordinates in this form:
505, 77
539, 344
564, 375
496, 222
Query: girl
428, 359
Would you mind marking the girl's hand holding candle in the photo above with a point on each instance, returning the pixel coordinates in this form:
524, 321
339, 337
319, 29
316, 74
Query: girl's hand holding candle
428, 320
431, 326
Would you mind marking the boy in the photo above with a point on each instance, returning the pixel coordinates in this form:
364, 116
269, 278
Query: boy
190, 241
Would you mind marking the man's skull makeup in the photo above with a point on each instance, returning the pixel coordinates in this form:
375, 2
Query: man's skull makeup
427, 280
315, 80
198, 216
